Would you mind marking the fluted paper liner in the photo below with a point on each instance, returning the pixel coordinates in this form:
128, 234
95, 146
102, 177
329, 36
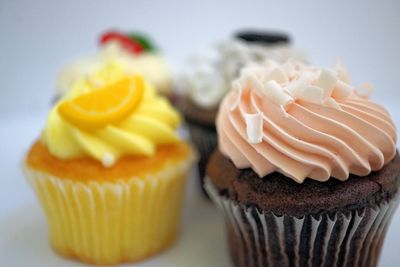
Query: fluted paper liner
108, 223
259, 238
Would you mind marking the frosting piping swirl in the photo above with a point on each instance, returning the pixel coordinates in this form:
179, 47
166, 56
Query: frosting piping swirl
151, 124
304, 138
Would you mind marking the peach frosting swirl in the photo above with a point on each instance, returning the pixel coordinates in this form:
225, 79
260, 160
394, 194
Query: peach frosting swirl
304, 121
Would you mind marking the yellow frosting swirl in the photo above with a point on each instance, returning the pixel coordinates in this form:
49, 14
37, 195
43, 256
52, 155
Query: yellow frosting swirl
152, 123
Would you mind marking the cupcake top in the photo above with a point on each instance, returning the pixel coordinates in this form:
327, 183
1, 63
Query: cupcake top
304, 121
134, 51
109, 114
208, 76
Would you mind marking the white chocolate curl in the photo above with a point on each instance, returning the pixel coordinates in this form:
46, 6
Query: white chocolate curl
292, 80
341, 70
277, 75
327, 80
249, 75
330, 102
275, 92
312, 94
295, 87
364, 90
342, 90
254, 127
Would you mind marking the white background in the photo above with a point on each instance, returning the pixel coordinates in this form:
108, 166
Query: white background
38, 37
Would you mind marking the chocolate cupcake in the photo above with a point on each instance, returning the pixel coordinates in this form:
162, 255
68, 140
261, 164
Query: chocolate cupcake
306, 173
208, 77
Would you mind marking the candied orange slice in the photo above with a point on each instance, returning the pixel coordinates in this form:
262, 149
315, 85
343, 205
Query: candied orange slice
103, 106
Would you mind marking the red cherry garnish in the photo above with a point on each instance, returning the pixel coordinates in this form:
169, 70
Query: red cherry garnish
127, 43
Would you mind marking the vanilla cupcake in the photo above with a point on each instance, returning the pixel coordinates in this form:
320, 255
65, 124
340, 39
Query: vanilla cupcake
134, 51
109, 169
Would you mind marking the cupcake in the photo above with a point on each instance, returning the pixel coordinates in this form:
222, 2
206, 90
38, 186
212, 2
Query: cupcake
306, 172
109, 170
134, 51
208, 77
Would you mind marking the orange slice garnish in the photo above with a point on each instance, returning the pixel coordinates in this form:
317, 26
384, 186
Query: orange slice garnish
104, 106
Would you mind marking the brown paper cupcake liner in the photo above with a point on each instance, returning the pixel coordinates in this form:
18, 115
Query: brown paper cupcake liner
258, 238
205, 140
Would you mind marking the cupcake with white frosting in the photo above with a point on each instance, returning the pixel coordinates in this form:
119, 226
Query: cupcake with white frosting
134, 52
208, 77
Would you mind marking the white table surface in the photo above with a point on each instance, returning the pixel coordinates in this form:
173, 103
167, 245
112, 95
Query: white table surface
23, 232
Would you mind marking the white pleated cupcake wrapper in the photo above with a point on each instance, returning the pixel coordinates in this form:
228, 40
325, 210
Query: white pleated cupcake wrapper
110, 222
265, 239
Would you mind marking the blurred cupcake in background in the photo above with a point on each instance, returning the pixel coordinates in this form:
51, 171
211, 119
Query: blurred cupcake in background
135, 52
306, 172
109, 169
208, 77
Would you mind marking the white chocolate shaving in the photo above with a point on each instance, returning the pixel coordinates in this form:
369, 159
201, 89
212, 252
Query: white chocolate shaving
254, 127
307, 77
330, 102
295, 88
285, 83
249, 75
312, 94
341, 70
289, 68
364, 90
278, 75
276, 94
341, 90
108, 160
327, 80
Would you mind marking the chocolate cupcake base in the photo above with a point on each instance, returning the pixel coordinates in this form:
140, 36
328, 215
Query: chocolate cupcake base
274, 221
201, 125
205, 140
258, 238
